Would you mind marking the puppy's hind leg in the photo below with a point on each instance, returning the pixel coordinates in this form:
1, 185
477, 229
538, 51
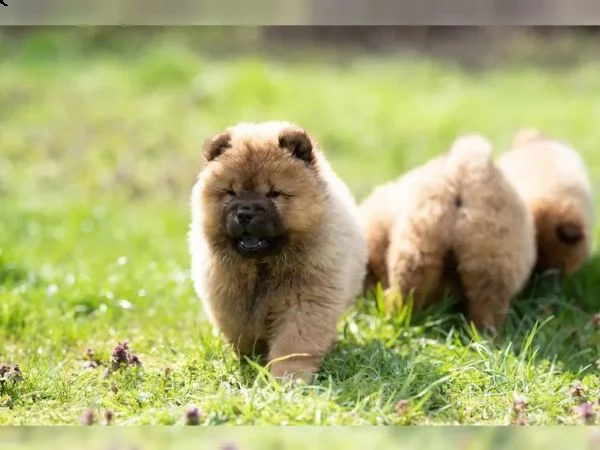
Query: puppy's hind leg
488, 260
418, 246
488, 296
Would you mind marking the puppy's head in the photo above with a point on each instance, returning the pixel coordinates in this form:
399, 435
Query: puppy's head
261, 190
562, 236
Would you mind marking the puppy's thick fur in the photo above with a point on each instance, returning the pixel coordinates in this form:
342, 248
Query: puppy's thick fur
454, 223
552, 179
276, 246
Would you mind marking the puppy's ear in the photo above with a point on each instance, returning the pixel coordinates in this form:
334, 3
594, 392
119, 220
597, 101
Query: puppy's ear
216, 146
297, 141
526, 136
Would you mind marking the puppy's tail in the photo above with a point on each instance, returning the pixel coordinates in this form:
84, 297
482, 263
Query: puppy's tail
526, 136
470, 158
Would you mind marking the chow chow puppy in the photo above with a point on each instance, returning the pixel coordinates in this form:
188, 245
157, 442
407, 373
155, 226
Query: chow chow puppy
454, 223
276, 246
552, 179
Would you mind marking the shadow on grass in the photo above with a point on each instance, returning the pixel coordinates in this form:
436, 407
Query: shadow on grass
374, 375
371, 375
581, 290
552, 319
566, 307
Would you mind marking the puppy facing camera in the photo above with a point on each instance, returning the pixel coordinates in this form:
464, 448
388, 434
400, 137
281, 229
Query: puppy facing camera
276, 246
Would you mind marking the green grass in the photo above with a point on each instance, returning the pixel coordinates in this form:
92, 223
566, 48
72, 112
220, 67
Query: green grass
98, 153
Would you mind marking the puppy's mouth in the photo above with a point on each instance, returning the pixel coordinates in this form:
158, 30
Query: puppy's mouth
252, 243
253, 246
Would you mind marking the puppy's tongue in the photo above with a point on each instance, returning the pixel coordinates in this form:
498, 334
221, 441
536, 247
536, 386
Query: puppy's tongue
250, 242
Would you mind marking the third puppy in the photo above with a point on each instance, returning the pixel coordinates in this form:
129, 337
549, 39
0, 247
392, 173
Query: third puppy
552, 179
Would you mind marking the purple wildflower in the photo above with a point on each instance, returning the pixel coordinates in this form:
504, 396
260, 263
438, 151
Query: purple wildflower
122, 357
108, 416
87, 418
192, 415
401, 407
586, 413
119, 357
519, 403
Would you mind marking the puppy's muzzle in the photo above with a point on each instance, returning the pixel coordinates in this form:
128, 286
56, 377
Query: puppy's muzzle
253, 224
246, 213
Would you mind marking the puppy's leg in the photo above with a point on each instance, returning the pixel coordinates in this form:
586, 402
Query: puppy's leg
487, 293
415, 271
239, 330
245, 343
377, 245
251, 346
301, 335
419, 242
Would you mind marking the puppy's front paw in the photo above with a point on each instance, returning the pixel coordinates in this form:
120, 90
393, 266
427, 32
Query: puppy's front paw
298, 371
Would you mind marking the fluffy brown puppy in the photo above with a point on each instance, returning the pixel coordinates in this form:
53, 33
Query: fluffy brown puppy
276, 245
454, 223
552, 179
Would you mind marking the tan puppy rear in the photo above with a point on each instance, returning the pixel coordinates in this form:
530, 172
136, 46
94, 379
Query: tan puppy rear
382, 207
552, 179
456, 223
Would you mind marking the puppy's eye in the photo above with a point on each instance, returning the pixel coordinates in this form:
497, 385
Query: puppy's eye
273, 194
231, 193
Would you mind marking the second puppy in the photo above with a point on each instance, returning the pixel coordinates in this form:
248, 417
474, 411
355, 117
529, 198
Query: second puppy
454, 223
552, 179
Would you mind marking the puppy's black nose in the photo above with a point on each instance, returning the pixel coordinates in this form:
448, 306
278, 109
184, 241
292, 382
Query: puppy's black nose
244, 215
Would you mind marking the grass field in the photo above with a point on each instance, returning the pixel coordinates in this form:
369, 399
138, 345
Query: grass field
98, 153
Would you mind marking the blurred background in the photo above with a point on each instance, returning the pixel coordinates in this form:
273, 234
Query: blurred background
296, 438
128, 107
